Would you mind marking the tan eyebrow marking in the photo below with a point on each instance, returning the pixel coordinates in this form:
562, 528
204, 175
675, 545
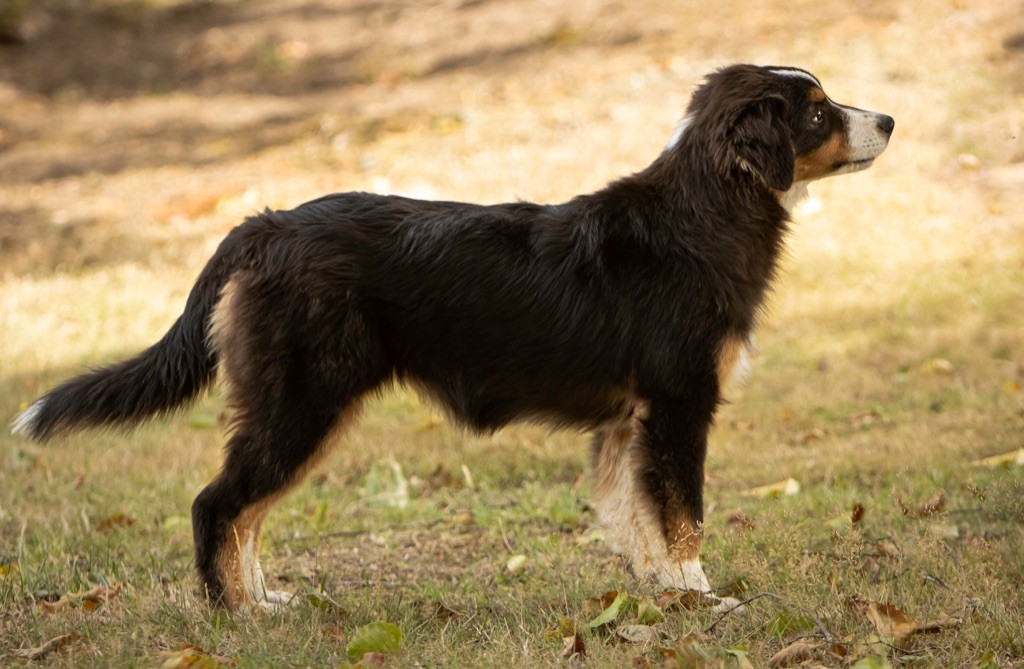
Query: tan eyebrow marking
817, 95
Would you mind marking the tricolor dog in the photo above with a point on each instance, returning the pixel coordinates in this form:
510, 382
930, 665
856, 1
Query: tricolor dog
621, 312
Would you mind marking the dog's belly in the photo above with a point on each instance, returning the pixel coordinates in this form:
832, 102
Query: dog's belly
487, 403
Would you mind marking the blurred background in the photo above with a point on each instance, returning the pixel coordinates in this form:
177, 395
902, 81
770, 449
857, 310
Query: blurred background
135, 133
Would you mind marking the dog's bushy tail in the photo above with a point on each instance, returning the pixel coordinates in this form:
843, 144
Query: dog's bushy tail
157, 381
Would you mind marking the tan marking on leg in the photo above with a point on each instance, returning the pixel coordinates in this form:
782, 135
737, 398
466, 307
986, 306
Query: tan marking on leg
728, 355
238, 562
733, 362
632, 526
684, 537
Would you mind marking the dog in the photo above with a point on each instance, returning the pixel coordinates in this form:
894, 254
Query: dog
622, 312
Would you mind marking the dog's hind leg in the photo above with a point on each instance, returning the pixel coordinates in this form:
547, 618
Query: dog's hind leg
265, 458
294, 383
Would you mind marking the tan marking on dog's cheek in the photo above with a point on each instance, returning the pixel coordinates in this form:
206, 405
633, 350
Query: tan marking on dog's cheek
819, 163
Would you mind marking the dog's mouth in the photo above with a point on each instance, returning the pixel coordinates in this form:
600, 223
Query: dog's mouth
852, 166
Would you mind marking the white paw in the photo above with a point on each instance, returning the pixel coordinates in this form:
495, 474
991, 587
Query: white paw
730, 604
275, 600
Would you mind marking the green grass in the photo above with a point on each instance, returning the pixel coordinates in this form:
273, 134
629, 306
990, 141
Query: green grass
892, 356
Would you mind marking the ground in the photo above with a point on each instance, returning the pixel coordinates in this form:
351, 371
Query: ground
135, 133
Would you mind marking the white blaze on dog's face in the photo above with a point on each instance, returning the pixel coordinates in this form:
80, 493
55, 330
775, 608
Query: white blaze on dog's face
829, 138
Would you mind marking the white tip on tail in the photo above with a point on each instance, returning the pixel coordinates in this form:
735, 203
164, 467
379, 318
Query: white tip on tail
26, 422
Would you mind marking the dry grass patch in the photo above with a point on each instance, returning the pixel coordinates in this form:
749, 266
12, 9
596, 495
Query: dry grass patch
892, 355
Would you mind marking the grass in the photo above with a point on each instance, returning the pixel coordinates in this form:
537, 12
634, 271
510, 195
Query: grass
892, 354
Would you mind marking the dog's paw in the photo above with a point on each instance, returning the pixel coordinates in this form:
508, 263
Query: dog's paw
275, 600
728, 604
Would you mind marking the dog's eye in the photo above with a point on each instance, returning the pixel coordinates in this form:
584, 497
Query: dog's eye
819, 116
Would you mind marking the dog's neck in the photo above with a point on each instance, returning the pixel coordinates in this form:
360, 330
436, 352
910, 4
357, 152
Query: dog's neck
789, 199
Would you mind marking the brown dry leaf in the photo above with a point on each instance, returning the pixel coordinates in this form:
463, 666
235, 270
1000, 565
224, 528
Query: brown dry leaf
890, 622
857, 513
116, 520
931, 507
887, 548
794, 653
864, 419
644, 634
42, 651
811, 435
573, 646
871, 567
90, 600
944, 621
191, 657
739, 520
436, 609
976, 542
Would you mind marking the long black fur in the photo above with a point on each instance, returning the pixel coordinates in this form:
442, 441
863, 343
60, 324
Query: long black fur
568, 314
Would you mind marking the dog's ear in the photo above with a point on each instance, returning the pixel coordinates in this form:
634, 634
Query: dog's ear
761, 142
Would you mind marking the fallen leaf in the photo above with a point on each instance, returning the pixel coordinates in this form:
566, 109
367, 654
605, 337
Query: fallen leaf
190, 657
968, 162
116, 520
7, 567
944, 531
939, 366
794, 653
739, 520
374, 659
42, 651
775, 490
648, 613
1003, 460
464, 519
644, 634
90, 600
932, 506
864, 419
573, 646
886, 548
811, 435
943, 622
377, 637
515, 563
325, 603
622, 603
976, 542
436, 609
890, 622
857, 514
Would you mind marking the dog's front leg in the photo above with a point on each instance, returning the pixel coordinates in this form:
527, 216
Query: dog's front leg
649, 480
673, 441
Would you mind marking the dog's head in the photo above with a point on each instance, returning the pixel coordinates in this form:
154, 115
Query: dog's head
778, 124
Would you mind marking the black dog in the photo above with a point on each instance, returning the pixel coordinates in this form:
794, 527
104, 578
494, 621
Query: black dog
622, 311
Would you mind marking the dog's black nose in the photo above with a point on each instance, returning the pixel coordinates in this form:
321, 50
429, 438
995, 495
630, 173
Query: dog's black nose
886, 123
